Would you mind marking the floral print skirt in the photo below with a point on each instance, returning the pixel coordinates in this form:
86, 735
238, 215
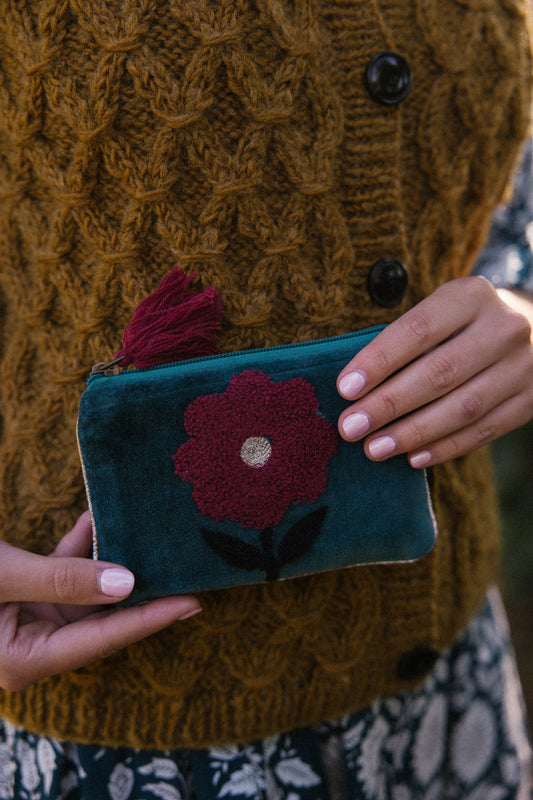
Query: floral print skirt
462, 734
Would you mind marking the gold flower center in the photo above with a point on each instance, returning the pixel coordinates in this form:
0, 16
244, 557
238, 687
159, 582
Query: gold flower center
255, 451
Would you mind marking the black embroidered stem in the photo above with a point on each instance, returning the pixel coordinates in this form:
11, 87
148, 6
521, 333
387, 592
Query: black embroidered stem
270, 563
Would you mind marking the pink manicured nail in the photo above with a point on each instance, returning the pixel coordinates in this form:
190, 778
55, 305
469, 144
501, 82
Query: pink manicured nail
350, 385
116, 582
192, 613
420, 459
384, 446
355, 425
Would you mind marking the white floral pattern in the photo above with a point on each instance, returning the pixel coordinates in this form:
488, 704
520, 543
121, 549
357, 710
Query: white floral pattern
473, 742
429, 742
7, 770
121, 782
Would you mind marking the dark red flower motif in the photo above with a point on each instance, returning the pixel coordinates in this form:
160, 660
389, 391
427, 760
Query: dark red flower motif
256, 449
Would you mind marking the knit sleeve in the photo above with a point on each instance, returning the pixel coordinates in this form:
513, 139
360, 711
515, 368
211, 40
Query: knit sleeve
507, 259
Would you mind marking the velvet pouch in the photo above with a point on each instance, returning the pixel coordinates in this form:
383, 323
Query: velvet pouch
225, 470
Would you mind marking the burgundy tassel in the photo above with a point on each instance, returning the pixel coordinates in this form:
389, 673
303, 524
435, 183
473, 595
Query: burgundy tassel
172, 324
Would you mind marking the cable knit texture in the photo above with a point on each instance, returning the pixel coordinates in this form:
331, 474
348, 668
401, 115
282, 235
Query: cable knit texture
237, 138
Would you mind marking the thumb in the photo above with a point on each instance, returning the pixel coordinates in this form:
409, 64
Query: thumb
65, 577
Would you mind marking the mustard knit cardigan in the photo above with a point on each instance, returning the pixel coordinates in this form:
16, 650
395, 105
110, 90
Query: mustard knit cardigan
239, 139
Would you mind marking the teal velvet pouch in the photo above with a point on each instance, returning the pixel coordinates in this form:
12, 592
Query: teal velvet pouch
226, 470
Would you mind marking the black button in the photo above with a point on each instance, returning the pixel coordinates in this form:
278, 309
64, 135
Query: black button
389, 78
387, 282
416, 663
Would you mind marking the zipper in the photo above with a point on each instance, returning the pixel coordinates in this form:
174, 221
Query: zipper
106, 369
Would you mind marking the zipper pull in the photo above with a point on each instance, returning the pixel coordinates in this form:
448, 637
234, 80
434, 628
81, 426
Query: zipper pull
107, 368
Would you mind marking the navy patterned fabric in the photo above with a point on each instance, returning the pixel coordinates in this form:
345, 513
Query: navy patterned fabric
507, 259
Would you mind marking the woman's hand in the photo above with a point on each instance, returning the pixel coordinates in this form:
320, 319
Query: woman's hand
51, 616
451, 374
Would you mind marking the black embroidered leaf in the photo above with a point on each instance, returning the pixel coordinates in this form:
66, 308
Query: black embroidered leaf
299, 539
233, 551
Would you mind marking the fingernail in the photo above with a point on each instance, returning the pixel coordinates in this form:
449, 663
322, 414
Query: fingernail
116, 582
355, 425
384, 446
420, 459
350, 385
192, 613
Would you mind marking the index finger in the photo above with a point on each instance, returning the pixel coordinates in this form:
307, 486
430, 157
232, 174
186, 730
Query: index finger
431, 322
39, 650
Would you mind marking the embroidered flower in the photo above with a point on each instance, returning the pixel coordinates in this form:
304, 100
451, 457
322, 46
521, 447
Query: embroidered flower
256, 449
